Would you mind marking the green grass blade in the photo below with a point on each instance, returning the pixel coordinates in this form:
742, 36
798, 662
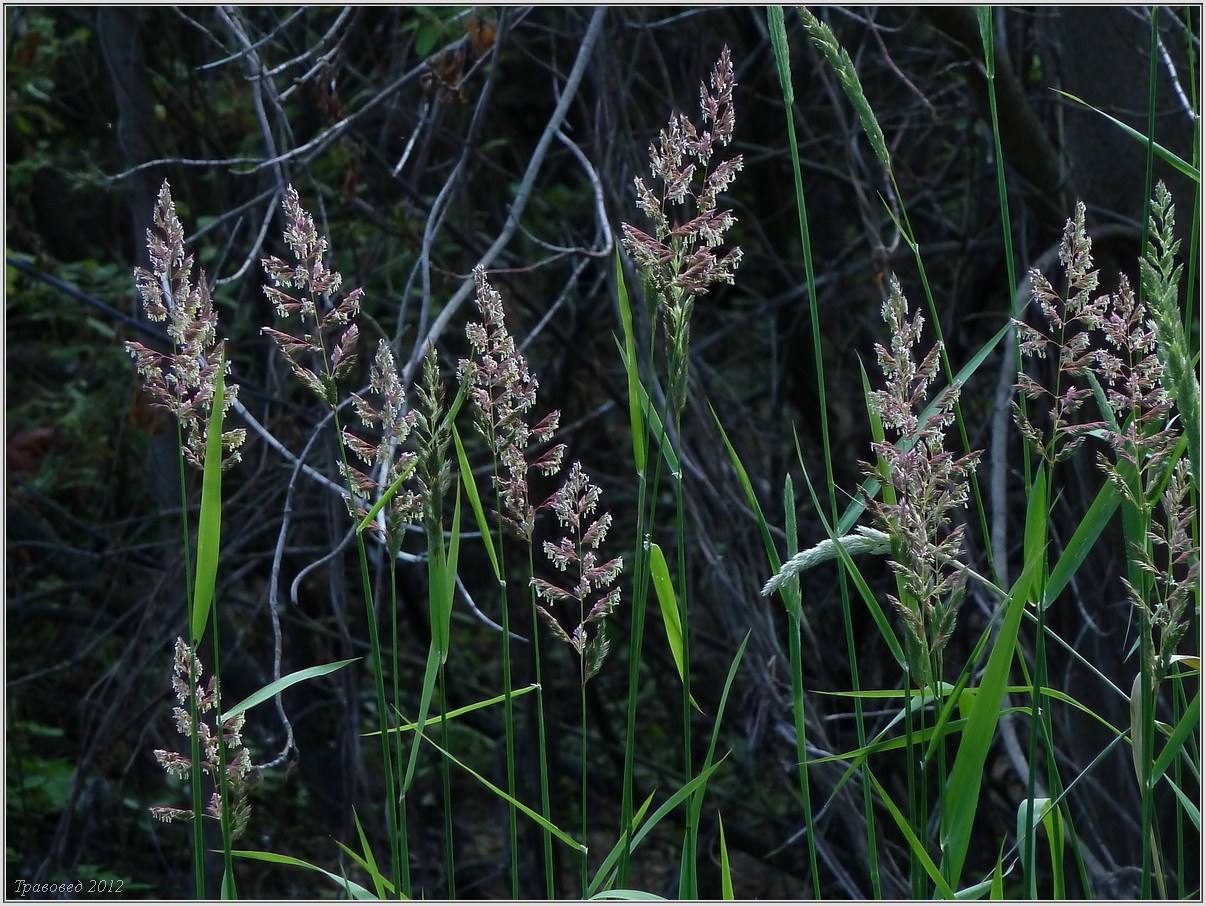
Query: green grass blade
726, 872
429, 678
387, 496
460, 712
654, 420
1161, 152
531, 813
914, 844
605, 870
475, 502
1098, 516
1042, 811
209, 523
697, 801
441, 573
351, 888
963, 786
271, 690
367, 861
639, 451
1184, 728
997, 890
626, 895
659, 572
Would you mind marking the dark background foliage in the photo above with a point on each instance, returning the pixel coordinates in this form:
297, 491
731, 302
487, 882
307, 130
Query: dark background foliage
408, 133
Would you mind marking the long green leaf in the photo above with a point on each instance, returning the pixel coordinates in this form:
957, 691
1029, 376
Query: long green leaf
460, 712
534, 815
621, 894
654, 420
367, 861
696, 809
354, 890
1184, 728
963, 786
726, 872
1161, 152
429, 678
914, 844
659, 572
389, 494
605, 870
639, 454
475, 502
280, 685
1091, 526
209, 524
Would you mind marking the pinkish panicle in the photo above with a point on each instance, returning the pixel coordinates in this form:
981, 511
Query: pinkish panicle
182, 382
502, 390
395, 421
315, 303
929, 484
576, 554
186, 671
679, 258
1112, 338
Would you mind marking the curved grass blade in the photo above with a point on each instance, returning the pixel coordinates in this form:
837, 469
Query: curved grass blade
1042, 811
605, 870
459, 712
654, 420
639, 453
209, 522
963, 785
351, 888
534, 815
618, 894
387, 496
1161, 152
475, 501
914, 844
280, 685
659, 572
367, 861
1183, 730
726, 872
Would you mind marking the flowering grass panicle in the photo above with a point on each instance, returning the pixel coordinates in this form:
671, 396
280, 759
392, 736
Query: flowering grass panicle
319, 285
576, 554
679, 260
1108, 339
395, 422
1171, 562
502, 390
186, 682
434, 434
1159, 277
1126, 348
182, 382
928, 484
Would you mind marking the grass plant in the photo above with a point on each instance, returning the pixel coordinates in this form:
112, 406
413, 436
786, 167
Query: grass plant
1100, 372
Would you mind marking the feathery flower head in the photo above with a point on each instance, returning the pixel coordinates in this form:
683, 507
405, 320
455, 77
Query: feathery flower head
679, 259
182, 382
319, 285
387, 458
576, 554
186, 683
929, 483
502, 390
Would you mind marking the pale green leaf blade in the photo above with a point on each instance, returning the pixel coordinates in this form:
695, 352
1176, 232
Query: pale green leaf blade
280, 685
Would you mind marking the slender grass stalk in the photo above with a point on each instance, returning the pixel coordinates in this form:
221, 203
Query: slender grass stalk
402, 855
194, 740
542, 747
